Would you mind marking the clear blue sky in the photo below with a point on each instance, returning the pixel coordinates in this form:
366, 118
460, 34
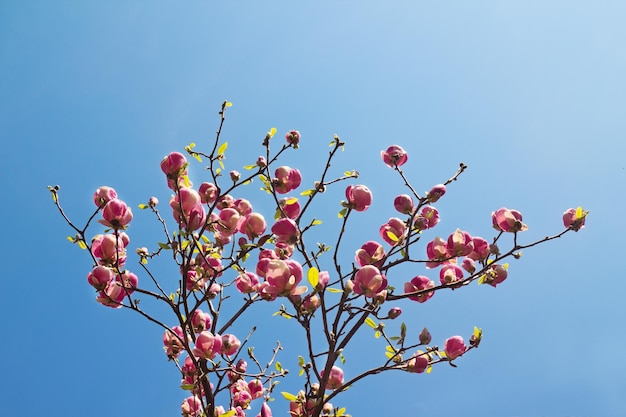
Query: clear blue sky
530, 95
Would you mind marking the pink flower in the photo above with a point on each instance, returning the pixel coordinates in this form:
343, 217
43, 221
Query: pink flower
394, 312
247, 282
208, 192
371, 253
256, 388
286, 231
419, 283
110, 250
174, 164
235, 175
459, 244
293, 138
454, 347
394, 156
103, 195
286, 179
230, 344
172, 341
506, 220
283, 276
191, 407
450, 273
418, 363
128, 280
253, 225
436, 193
200, 321
116, 214
243, 206
261, 162
496, 275
100, 276
335, 378
112, 295
574, 219
404, 204
368, 281
206, 346
359, 197
393, 231
265, 411
481, 249
428, 217
289, 207
437, 252
468, 264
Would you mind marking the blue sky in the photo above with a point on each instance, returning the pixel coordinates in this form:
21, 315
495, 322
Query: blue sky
530, 95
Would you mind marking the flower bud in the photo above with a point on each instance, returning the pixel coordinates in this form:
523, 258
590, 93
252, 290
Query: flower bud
394, 312
424, 336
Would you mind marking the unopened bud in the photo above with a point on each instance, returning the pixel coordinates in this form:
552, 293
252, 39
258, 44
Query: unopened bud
425, 337
394, 312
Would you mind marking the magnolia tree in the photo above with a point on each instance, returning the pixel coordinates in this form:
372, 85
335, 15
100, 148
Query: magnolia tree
228, 254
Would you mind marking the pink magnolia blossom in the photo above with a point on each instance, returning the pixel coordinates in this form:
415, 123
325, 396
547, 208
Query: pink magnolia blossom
436, 193
428, 218
235, 175
335, 378
437, 252
371, 253
256, 388
289, 207
266, 411
506, 220
310, 304
404, 204
286, 231
574, 219
394, 313
174, 164
112, 295
496, 275
191, 407
172, 341
454, 347
247, 282
469, 265
393, 231
103, 195
419, 283
265, 256
200, 321
418, 363
100, 276
253, 225
481, 249
208, 192
394, 156
283, 276
293, 138
225, 201
459, 244
116, 214
450, 273
230, 344
243, 206
128, 280
261, 162
286, 179
109, 250
368, 281
207, 345
359, 197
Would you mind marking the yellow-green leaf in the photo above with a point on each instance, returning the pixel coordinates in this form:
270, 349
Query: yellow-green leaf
82, 245
316, 222
272, 132
335, 290
370, 322
307, 192
222, 148
429, 369
389, 355
288, 396
392, 236
377, 334
314, 276
228, 104
195, 155
144, 261
390, 349
71, 239
249, 167
301, 372
230, 413
143, 206
340, 412
290, 201
191, 145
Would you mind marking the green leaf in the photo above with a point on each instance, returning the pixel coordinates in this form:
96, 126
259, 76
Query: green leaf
392, 236
390, 349
370, 322
429, 369
249, 167
389, 355
314, 276
301, 372
335, 290
71, 239
377, 334
403, 330
187, 387
222, 149
81, 244
198, 158
143, 206
144, 261
191, 145
307, 192
288, 396
340, 412
342, 213
272, 132
230, 413
228, 104
316, 222
278, 366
